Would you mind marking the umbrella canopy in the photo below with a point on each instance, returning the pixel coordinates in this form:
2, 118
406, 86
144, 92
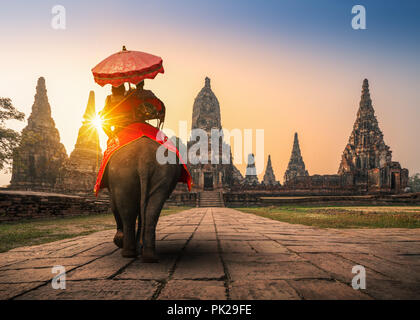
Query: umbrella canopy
127, 66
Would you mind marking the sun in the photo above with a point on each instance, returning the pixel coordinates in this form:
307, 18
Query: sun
97, 122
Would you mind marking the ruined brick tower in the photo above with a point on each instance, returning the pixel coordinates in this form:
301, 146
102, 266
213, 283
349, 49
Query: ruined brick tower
206, 116
206, 109
40, 155
269, 177
251, 177
80, 170
296, 166
366, 148
366, 156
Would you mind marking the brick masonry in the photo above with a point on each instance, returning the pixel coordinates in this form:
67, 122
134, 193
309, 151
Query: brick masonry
16, 205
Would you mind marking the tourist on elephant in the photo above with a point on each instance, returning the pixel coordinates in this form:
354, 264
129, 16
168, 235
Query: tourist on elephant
136, 105
111, 115
145, 105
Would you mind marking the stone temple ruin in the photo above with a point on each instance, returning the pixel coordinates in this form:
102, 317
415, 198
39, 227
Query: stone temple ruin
40, 155
366, 156
251, 178
296, 166
206, 116
269, 177
81, 168
366, 165
40, 162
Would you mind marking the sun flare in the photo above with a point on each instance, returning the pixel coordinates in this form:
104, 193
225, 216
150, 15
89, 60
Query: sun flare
97, 122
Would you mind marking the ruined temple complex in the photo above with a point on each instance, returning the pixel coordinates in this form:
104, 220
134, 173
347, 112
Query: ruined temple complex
40, 162
366, 165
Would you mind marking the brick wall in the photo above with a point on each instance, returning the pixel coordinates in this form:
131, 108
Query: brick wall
17, 205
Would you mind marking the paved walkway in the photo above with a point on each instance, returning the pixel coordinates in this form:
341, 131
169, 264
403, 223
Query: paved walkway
220, 253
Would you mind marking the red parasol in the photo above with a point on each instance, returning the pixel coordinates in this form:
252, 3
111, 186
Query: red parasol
127, 66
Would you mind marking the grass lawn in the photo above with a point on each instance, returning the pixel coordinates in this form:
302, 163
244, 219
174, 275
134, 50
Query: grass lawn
343, 216
32, 232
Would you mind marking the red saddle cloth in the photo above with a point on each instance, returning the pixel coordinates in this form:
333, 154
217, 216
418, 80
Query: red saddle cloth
131, 133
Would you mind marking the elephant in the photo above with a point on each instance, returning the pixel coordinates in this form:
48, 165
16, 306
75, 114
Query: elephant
139, 186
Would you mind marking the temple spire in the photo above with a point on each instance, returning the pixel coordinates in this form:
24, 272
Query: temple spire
40, 154
207, 82
41, 109
88, 137
79, 171
206, 109
366, 148
90, 112
296, 166
251, 171
296, 147
269, 177
365, 100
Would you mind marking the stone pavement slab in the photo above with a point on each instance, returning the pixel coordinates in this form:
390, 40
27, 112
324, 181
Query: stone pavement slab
221, 253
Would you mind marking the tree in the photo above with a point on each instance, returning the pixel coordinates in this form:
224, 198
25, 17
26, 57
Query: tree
414, 182
9, 139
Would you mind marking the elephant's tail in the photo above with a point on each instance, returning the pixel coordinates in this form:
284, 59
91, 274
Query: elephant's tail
142, 219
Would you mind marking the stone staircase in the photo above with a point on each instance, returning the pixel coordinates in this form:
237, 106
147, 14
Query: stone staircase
210, 199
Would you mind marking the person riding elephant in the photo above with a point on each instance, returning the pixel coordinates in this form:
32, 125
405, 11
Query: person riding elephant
124, 108
110, 114
138, 181
142, 187
146, 105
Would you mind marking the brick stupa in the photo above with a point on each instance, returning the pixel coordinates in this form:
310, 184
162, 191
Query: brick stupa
40, 155
296, 166
217, 175
251, 177
366, 148
80, 170
269, 177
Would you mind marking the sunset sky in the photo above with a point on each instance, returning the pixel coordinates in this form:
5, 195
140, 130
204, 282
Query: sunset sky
281, 66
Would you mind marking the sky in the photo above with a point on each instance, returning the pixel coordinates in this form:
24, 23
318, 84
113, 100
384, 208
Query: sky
281, 66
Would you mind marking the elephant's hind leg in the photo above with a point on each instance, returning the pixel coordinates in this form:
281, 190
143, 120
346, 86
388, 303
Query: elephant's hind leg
153, 209
129, 249
124, 199
118, 238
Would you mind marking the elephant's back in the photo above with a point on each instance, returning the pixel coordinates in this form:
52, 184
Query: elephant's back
142, 149
141, 152
139, 158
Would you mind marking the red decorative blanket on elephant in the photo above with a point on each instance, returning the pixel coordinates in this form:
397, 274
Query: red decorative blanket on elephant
131, 133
